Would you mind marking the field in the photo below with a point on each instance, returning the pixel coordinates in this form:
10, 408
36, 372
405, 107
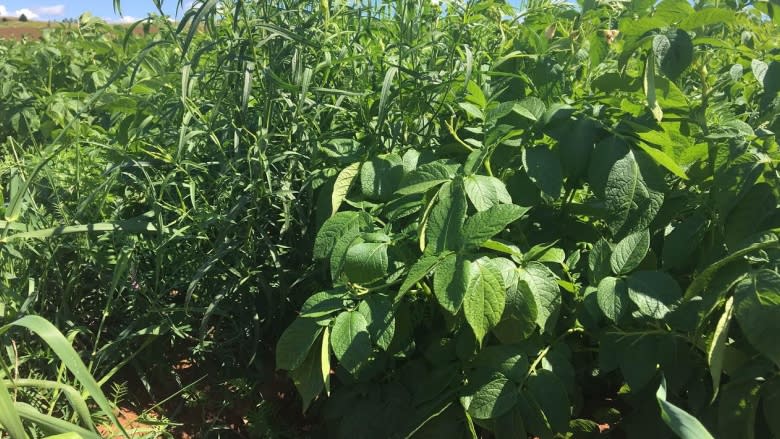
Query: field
393, 220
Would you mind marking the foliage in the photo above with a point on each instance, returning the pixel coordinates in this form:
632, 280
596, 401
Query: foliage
446, 219
581, 219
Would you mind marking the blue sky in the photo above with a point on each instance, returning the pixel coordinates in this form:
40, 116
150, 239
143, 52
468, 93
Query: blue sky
59, 9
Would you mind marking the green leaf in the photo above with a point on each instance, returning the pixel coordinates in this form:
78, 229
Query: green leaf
294, 344
681, 423
544, 169
543, 285
673, 51
342, 185
323, 303
378, 311
444, 225
717, 347
485, 297
531, 108
381, 176
366, 262
649, 87
759, 242
612, 298
707, 17
308, 377
633, 194
418, 271
630, 252
335, 227
550, 393
737, 408
9, 419
510, 425
426, 177
70, 359
350, 340
450, 282
770, 400
664, 160
493, 399
472, 110
520, 314
485, 192
533, 416
757, 309
759, 69
682, 242
598, 261
653, 292
482, 226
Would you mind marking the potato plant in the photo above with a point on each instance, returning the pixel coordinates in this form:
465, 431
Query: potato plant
590, 243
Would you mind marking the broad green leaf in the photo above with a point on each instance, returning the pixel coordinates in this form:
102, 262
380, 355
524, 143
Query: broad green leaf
653, 292
612, 297
444, 225
664, 160
418, 271
531, 108
630, 252
323, 303
339, 253
682, 242
673, 11
378, 312
759, 69
543, 285
503, 359
366, 262
757, 309
535, 420
450, 282
308, 377
342, 185
426, 177
485, 192
598, 261
381, 176
493, 399
759, 242
633, 194
485, 297
770, 400
296, 341
350, 340
476, 95
510, 425
335, 227
682, 424
520, 315
737, 408
717, 347
707, 17
472, 110
550, 394
731, 185
482, 226
673, 51
638, 360
544, 168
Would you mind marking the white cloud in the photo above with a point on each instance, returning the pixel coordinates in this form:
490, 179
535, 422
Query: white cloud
26, 12
55, 10
3, 11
